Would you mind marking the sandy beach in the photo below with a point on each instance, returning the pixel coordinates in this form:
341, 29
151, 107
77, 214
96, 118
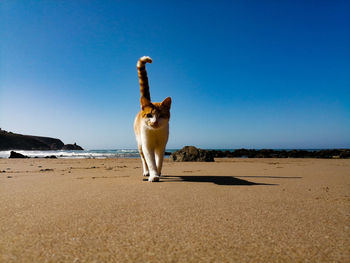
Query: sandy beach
232, 210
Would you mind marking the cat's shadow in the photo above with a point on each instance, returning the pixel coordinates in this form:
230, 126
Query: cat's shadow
219, 180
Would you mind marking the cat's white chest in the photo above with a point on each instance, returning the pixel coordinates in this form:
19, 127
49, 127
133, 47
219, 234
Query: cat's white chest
154, 138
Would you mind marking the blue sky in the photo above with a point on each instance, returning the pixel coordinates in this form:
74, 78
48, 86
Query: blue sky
254, 74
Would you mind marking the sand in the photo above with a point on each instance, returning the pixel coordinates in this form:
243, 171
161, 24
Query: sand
233, 210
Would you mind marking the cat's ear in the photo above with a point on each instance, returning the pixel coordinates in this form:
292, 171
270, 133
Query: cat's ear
166, 103
145, 102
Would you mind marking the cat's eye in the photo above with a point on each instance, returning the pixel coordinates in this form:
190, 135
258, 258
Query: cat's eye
149, 115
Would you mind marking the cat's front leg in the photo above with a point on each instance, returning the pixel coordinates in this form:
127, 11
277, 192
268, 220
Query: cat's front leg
159, 160
151, 163
144, 164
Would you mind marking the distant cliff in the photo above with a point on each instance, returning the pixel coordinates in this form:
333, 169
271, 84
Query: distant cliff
14, 141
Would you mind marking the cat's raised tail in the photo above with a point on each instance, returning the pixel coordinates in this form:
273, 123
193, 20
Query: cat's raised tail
143, 79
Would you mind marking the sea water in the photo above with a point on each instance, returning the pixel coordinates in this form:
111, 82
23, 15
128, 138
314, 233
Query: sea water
99, 154
86, 154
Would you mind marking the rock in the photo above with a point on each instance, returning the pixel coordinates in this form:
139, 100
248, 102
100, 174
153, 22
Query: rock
51, 157
14, 141
13, 154
71, 147
344, 154
269, 153
192, 154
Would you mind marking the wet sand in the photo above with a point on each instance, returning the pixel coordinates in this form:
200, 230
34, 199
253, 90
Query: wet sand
233, 210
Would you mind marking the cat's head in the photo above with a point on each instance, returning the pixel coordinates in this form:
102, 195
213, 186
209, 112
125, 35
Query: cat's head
155, 114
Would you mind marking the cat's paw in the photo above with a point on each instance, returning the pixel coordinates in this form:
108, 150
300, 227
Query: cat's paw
154, 178
146, 174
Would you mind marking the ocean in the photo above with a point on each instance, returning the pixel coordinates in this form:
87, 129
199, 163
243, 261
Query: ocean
86, 154
101, 154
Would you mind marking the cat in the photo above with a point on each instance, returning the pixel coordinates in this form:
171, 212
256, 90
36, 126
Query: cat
151, 126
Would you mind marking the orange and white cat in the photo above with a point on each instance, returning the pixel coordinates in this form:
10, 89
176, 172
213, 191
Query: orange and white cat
151, 126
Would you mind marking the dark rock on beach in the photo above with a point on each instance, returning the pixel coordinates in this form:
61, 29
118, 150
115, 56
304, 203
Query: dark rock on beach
17, 155
192, 154
51, 157
344, 154
269, 153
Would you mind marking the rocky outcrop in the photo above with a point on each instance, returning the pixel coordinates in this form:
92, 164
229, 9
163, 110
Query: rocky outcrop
14, 141
268, 153
71, 147
17, 155
192, 154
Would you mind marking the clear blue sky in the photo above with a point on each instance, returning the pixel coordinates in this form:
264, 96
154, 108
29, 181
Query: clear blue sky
254, 74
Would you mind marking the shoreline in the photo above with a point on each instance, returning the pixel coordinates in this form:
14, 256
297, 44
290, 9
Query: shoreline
342, 153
